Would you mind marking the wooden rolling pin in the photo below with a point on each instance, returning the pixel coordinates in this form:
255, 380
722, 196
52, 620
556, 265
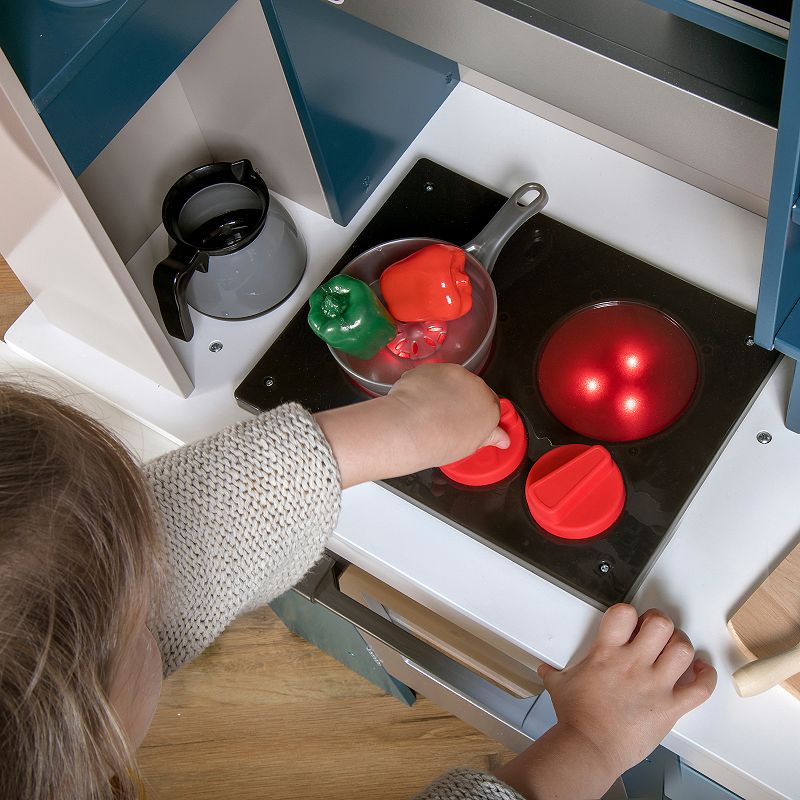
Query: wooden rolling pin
758, 676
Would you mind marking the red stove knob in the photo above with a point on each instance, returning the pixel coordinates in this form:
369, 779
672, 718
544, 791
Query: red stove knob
575, 491
491, 464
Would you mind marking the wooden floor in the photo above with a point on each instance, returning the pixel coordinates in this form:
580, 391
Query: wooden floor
13, 298
264, 715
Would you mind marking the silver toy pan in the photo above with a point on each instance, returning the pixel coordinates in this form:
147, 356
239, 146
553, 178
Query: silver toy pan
469, 338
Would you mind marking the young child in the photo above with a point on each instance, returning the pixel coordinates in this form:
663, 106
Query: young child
112, 575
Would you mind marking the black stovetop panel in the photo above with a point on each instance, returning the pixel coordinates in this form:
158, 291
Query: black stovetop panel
546, 270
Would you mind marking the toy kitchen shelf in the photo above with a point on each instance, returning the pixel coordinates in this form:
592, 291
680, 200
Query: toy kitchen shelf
89, 69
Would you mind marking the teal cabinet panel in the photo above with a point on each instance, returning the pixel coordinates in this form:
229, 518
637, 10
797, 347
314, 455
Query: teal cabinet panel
362, 94
48, 44
778, 315
88, 70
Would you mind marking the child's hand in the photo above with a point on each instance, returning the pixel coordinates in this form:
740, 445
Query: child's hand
435, 414
448, 412
639, 678
613, 707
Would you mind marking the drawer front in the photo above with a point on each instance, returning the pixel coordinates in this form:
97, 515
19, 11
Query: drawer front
512, 720
469, 701
681, 782
406, 656
511, 669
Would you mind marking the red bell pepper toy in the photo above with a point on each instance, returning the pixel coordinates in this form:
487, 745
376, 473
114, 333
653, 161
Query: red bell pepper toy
428, 284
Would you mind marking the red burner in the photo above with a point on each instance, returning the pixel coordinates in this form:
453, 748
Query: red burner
575, 491
491, 464
618, 371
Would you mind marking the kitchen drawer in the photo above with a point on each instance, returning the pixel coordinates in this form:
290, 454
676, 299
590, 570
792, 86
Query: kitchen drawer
645, 781
517, 676
473, 693
476, 683
681, 782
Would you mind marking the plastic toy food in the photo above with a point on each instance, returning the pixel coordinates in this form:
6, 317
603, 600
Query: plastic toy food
418, 340
430, 284
347, 315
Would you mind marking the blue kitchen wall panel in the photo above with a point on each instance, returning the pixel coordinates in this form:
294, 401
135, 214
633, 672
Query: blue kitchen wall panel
778, 315
362, 94
88, 70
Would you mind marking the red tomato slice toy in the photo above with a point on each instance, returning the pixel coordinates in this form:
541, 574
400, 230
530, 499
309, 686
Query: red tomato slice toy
428, 284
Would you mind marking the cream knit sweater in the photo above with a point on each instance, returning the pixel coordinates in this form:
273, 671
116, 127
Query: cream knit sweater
245, 514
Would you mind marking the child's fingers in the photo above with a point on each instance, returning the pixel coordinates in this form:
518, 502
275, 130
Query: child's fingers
691, 695
498, 438
676, 657
617, 625
546, 672
654, 632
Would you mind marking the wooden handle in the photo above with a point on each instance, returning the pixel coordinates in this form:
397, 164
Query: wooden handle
758, 676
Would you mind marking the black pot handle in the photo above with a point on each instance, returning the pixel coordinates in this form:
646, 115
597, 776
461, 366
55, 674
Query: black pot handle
170, 280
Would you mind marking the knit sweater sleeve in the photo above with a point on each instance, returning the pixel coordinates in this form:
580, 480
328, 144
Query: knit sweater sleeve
245, 514
468, 784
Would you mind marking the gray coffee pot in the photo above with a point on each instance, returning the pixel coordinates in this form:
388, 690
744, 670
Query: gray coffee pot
237, 252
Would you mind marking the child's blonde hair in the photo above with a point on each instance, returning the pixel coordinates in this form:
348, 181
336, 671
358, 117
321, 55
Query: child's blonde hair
79, 553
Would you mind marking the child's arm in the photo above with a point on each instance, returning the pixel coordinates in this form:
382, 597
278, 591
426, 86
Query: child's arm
247, 511
613, 707
434, 414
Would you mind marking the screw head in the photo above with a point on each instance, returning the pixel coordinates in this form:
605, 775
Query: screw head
365, 182
215, 346
269, 382
750, 341
428, 187
604, 567
763, 437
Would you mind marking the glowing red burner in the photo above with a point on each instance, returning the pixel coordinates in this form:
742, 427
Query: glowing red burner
418, 340
618, 371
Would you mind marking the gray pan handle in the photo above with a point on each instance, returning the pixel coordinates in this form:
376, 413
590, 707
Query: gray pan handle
486, 246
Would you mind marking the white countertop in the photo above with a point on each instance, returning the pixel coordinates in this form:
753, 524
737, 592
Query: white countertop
743, 519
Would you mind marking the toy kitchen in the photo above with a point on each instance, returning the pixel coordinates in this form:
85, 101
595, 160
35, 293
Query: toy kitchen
634, 304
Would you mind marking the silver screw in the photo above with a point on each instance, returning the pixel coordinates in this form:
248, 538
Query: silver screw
365, 182
268, 382
763, 437
215, 346
750, 341
428, 187
604, 567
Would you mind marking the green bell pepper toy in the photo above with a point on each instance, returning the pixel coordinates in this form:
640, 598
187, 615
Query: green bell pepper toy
347, 315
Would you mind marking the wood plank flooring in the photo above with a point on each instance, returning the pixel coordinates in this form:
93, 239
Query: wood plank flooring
264, 715
13, 297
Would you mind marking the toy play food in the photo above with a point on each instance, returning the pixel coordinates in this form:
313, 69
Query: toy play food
347, 315
430, 284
